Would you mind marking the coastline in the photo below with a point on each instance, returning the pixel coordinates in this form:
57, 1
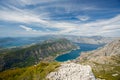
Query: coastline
66, 52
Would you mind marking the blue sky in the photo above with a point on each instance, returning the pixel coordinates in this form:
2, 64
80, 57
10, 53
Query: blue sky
59, 17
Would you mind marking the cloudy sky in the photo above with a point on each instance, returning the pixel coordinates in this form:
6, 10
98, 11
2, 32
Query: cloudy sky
61, 17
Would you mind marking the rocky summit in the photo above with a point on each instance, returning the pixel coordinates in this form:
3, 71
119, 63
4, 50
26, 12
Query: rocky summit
72, 71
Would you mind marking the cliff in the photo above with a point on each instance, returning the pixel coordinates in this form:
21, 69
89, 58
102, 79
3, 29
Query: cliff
33, 54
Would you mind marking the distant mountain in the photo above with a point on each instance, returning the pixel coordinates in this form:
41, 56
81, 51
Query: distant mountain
33, 54
8, 42
91, 39
22, 41
105, 61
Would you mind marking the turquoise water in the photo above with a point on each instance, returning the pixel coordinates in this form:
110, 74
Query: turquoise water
75, 53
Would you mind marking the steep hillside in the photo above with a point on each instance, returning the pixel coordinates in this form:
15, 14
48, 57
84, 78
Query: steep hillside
29, 55
104, 61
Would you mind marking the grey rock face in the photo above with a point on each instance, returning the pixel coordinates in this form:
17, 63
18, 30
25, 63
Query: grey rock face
72, 71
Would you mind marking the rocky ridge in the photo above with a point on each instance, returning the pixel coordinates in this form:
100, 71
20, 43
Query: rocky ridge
104, 55
104, 61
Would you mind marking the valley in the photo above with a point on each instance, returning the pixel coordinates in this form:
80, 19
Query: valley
45, 60
76, 53
59, 39
33, 54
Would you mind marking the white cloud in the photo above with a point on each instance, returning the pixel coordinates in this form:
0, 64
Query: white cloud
83, 18
111, 27
23, 3
27, 28
114, 20
22, 16
17, 16
98, 27
33, 2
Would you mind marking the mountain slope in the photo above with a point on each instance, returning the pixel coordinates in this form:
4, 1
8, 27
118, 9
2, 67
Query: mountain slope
30, 55
36, 72
105, 61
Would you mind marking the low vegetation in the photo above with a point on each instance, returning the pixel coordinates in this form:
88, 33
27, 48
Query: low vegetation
36, 72
107, 72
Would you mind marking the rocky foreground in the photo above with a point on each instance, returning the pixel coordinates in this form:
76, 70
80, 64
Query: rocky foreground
72, 71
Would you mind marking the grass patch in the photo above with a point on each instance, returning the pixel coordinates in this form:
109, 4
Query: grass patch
36, 72
105, 71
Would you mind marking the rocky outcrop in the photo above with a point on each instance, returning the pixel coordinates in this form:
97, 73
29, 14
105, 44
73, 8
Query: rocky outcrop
30, 55
72, 71
105, 61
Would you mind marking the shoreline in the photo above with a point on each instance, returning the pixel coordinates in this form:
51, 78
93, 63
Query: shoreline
67, 52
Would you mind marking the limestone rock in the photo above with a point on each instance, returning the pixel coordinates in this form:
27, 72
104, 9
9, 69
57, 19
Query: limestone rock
72, 71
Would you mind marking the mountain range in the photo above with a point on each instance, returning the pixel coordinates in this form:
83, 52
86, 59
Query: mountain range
8, 42
33, 54
100, 64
